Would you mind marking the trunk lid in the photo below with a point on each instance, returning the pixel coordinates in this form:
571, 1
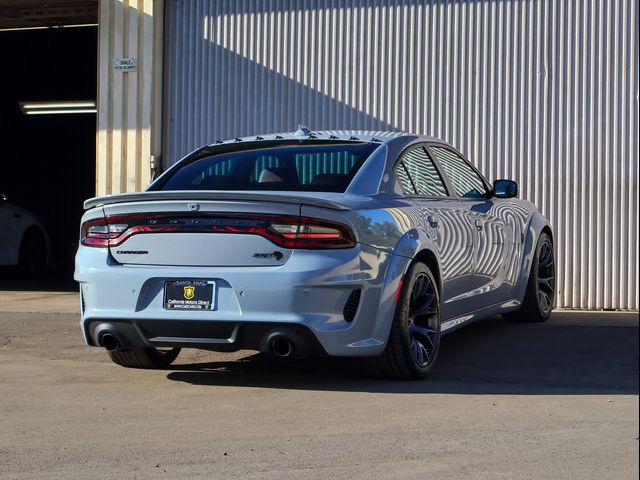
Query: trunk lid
196, 231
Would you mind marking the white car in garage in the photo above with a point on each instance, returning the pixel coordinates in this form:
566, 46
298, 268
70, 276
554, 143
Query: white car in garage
23, 239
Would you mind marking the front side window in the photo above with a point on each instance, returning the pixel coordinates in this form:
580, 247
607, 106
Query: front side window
464, 179
327, 167
417, 173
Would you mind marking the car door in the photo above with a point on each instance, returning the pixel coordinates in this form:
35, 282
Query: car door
447, 222
493, 235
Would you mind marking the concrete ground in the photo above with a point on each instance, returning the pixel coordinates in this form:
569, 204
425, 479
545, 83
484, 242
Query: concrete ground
548, 401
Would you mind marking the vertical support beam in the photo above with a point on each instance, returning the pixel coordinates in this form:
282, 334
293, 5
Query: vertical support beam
158, 86
129, 103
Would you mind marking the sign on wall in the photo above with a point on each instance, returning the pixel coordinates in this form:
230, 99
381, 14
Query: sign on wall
124, 64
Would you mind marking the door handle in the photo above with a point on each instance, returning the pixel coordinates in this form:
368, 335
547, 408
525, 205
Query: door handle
478, 224
433, 220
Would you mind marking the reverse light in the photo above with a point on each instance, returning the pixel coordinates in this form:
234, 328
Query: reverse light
284, 231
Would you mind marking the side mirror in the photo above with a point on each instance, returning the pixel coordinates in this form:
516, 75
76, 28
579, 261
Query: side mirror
3, 198
505, 189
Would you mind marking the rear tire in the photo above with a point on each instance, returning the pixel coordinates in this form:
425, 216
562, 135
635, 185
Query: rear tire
414, 340
539, 297
145, 358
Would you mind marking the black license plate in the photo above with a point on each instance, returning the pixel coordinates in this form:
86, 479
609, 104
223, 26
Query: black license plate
189, 295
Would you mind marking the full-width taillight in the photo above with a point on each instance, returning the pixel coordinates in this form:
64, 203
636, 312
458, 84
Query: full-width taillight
284, 231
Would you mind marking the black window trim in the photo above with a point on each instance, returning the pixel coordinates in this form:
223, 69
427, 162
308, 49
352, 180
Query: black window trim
434, 157
406, 171
445, 182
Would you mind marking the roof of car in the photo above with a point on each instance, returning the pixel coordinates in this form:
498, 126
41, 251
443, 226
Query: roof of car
344, 135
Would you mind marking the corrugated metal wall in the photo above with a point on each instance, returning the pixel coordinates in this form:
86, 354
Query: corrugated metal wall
126, 29
544, 92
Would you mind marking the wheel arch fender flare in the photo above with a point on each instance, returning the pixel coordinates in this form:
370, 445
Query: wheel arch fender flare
418, 246
39, 231
413, 246
536, 226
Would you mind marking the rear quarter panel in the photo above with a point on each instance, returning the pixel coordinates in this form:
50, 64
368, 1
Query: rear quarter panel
390, 231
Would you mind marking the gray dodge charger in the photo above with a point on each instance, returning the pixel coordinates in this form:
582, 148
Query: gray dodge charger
342, 243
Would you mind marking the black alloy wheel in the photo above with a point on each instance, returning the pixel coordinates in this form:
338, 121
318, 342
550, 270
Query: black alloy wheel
539, 298
546, 277
423, 319
414, 340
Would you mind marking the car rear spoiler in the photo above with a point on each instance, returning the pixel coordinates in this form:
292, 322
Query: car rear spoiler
195, 195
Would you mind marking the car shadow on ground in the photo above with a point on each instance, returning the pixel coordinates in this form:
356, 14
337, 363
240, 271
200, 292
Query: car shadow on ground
573, 353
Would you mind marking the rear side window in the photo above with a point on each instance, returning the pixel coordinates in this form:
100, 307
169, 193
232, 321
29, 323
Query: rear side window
313, 168
417, 173
465, 180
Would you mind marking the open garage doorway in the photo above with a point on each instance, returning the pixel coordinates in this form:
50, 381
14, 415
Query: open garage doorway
47, 153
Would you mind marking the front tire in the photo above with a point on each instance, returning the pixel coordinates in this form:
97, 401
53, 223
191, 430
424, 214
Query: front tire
414, 339
145, 358
539, 297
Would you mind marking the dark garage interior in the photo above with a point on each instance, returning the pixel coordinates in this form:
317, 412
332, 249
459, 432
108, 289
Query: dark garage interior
47, 162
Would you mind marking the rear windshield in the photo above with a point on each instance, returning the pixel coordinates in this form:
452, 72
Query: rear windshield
300, 167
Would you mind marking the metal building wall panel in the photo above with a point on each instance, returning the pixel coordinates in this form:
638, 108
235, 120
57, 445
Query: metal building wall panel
124, 144
544, 92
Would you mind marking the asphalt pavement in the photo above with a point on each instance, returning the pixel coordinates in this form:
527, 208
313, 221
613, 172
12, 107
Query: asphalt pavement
546, 401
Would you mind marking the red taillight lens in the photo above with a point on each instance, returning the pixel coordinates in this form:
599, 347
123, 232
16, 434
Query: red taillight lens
112, 231
95, 233
286, 232
314, 233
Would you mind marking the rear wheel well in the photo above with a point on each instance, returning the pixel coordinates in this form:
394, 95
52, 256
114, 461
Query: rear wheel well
546, 229
32, 231
429, 259
33, 255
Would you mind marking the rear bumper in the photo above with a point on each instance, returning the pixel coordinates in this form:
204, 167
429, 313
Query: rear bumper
305, 298
209, 335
